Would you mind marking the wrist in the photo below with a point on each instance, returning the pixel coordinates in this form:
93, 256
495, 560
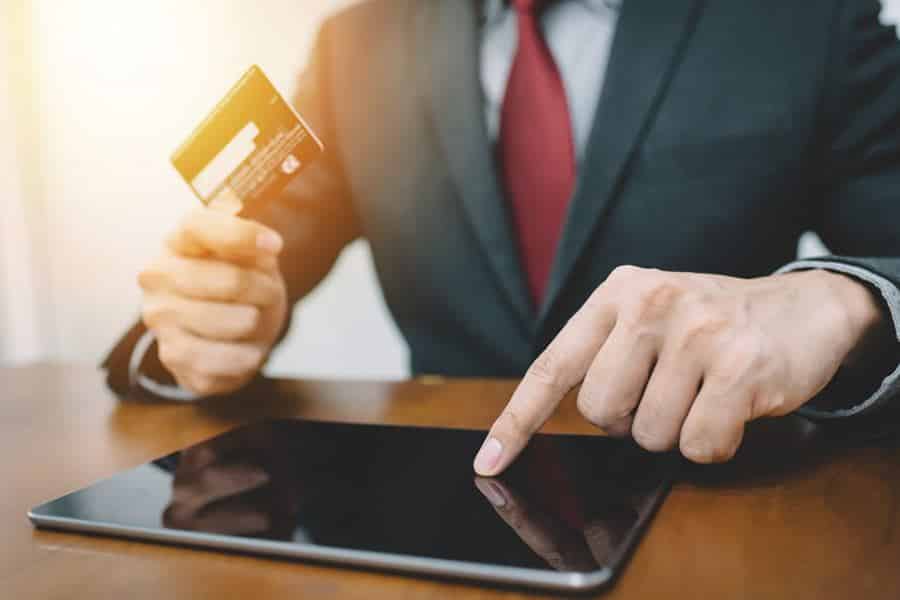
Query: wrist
862, 310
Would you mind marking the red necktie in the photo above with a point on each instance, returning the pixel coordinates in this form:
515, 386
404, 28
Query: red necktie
536, 150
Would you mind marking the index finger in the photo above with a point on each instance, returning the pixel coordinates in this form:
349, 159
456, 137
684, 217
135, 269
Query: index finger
559, 368
206, 232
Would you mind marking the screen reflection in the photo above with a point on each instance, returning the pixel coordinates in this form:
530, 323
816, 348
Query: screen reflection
568, 502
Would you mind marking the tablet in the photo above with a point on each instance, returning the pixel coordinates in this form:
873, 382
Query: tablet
564, 516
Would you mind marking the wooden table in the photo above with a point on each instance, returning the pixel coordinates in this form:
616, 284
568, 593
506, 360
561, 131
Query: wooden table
797, 515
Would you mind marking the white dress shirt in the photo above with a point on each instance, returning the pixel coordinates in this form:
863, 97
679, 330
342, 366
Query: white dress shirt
579, 34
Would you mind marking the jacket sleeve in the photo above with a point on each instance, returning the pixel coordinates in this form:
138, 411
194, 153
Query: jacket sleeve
857, 197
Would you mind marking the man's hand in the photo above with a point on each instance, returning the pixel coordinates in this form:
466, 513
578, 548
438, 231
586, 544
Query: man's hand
686, 360
216, 300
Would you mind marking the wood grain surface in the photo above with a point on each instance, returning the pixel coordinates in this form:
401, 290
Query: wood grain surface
802, 512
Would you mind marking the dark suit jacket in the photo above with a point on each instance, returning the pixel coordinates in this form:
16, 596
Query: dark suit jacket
724, 130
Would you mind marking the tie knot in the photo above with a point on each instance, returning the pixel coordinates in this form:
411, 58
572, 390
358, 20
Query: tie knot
528, 6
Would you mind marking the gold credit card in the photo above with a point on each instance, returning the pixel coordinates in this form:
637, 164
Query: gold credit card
248, 148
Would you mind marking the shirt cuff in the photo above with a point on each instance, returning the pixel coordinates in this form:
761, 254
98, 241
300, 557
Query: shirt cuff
139, 380
891, 296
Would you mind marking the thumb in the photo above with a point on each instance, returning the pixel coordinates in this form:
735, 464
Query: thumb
206, 232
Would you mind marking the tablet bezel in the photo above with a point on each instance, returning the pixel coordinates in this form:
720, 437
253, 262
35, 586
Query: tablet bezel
548, 579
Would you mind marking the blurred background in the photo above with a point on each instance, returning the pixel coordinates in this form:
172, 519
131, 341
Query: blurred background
94, 97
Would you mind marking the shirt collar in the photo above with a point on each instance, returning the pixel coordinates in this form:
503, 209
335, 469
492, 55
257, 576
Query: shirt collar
492, 10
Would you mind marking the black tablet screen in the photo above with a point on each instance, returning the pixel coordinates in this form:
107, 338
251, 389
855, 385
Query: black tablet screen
568, 503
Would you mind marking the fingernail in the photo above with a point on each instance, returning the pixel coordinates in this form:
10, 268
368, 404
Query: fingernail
269, 241
489, 455
492, 492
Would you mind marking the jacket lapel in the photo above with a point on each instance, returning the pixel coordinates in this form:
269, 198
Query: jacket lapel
457, 110
649, 40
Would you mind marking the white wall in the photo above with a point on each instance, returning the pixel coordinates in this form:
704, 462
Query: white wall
119, 84
19, 337
891, 12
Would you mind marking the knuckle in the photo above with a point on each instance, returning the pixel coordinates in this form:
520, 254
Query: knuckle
155, 313
236, 235
513, 424
595, 302
651, 301
549, 370
624, 274
660, 293
232, 283
246, 321
747, 348
773, 404
699, 327
705, 443
586, 407
702, 452
593, 409
619, 429
745, 353
694, 452
648, 436
149, 278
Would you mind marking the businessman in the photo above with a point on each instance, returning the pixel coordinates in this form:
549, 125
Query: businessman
580, 193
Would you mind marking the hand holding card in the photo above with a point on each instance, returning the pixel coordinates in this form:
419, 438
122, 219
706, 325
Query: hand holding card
215, 298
